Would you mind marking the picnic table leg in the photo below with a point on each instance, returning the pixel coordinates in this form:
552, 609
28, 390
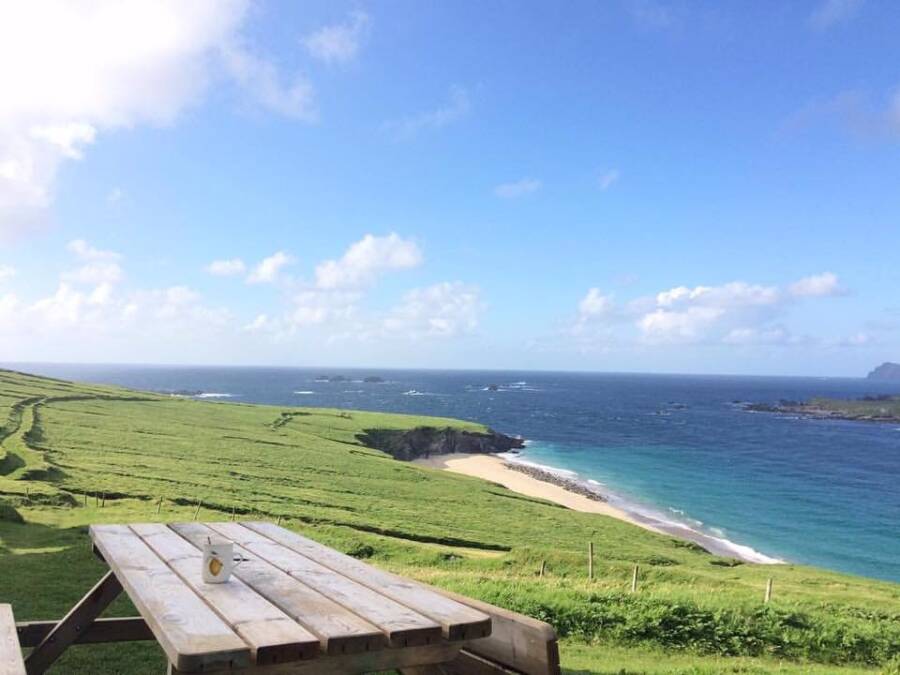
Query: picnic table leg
73, 624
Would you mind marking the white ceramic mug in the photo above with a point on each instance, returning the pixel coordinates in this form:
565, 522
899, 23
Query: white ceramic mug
218, 561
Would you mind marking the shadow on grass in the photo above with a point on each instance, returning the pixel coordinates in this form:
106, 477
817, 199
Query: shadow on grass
44, 571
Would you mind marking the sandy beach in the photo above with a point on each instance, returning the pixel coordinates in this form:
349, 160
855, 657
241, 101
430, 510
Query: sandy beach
495, 469
498, 470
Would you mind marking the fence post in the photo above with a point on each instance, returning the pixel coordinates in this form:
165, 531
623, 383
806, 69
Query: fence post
543, 567
768, 590
232, 513
634, 579
197, 512
591, 561
159, 504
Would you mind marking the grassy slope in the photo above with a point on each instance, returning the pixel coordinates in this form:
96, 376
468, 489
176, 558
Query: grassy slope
65, 446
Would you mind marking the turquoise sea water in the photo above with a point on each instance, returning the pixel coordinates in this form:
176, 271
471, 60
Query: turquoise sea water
676, 448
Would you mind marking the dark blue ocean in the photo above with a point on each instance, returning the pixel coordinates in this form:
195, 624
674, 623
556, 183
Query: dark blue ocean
819, 492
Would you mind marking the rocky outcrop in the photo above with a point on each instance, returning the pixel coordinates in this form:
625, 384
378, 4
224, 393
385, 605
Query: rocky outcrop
426, 441
570, 484
886, 371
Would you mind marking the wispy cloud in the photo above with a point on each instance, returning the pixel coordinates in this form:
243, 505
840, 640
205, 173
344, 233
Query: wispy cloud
226, 268
7, 272
457, 107
608, 178
816, 286
261, 80
859, 112
832, 12
517, 188
365, 260
338, 43
83, 70
651, 14
268, 269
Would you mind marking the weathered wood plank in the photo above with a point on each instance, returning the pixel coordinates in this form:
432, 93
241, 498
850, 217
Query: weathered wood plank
517, 641
118, 629
191, 634
272, 635
11, 662
73, 624
367, 662
458, 621
339, 630
402, 626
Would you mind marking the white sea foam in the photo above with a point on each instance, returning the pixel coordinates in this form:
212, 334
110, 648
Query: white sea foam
711, 538
212, 394
304, 393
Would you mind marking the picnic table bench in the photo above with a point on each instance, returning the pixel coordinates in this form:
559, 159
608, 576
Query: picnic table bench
292, 606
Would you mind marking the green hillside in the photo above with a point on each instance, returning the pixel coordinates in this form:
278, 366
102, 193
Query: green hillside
76, 454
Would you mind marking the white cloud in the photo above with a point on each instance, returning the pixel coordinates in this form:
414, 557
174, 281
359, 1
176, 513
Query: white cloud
338, 43
594, 304
727, 296
101, 266
226, 268
96, 273
66, 137
816, 286
70, 72
457, 107
85, 251
831, 12
446, 309
313, 307
735, 313
366, 259
262, 80
608, 178
690, 324
268, 269
517, 188
7, 272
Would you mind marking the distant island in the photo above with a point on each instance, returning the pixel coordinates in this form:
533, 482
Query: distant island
886, 371
880, 408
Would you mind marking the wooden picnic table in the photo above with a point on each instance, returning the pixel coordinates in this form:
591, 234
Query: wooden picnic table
292, 606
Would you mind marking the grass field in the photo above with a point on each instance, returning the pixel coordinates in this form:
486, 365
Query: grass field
74, 454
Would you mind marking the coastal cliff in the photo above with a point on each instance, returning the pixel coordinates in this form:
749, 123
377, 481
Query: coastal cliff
886, 371
426, 441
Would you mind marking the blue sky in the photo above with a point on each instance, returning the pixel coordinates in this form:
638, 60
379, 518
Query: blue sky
622, 185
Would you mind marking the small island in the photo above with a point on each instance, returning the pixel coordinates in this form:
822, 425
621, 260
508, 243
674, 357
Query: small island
879, 408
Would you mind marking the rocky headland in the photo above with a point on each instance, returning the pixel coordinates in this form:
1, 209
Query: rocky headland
427, 441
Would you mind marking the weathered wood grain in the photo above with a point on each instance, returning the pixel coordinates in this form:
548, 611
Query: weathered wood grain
117, 629
11, 662
340, 631
458, 621
402, 626
191, 634
518, 642
272, 635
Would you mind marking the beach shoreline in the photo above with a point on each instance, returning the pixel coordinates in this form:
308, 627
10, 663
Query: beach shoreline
533, 481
